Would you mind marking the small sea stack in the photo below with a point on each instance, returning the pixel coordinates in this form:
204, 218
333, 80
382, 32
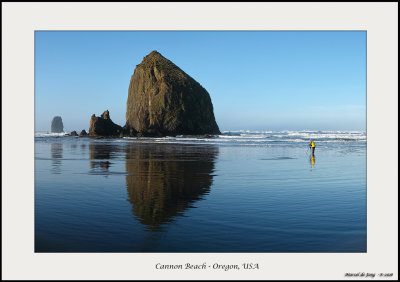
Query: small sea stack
164, 101
83, 133
73, 133
57, 125
103, 126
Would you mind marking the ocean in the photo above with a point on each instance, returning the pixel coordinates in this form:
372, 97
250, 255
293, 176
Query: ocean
241, 191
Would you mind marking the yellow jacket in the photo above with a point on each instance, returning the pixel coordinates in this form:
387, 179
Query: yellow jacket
312, 144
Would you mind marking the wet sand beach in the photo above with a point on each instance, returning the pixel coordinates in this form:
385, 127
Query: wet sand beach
240, 192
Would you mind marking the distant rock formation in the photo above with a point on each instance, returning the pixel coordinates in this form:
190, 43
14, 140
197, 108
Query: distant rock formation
57, 125
83, 133
74, 133
164, 100
103, 126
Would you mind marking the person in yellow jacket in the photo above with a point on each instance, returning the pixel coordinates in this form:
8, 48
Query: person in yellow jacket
312, 146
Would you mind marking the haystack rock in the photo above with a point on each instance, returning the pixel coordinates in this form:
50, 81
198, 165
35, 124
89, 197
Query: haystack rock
164, 100
57, 125
103, 126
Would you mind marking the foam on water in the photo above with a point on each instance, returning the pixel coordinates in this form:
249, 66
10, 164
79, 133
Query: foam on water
50, 134
247, 137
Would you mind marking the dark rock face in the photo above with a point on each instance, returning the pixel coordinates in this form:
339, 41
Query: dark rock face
103, 126
83, 133
74, 133
164, 100
57, 125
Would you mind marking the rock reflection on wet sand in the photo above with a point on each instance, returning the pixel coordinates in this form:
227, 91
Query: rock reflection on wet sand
56, 157
165, 180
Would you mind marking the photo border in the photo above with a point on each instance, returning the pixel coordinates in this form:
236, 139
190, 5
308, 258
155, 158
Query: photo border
20, 20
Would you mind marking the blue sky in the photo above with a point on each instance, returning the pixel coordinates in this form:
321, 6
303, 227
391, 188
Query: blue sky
257, 80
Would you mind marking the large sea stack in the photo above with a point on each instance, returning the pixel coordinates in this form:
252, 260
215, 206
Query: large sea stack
163, 100
103, 126
57, 125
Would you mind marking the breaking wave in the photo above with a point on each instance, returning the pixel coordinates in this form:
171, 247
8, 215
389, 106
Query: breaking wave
246, 137
49, 134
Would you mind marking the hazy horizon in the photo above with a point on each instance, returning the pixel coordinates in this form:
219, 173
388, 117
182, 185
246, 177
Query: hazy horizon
257, 80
